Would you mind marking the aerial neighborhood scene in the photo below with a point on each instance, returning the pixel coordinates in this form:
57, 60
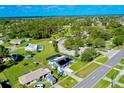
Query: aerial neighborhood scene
62, 52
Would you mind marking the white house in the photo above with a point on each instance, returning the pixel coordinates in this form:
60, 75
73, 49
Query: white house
31, 47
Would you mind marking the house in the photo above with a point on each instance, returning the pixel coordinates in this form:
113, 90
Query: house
5, 40
34, 76
51, 79
17, 41
16, 57
60, 62
33, 47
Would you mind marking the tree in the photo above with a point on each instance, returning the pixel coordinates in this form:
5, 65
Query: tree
119, 40
3, 51
89, 54
55, 45
99, 42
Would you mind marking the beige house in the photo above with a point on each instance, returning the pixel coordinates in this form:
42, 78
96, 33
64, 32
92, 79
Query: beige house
17, 41
34, 76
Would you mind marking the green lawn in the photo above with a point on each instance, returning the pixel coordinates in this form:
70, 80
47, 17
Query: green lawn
121, 80
2, 77
77, 65
122, 61
119, 67
102, 59
112, 74
117, 86
87, 70
102, 84
118, 47
68, 83
19, 69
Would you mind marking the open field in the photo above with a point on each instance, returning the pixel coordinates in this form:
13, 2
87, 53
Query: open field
102, 84
77, 65
112, 74
68, 83
87, 70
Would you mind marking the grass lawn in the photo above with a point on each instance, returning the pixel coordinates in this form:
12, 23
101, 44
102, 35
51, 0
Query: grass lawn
102, 84
19, 69
102, 59
117, 86
119, 67
121, 80
68, 83
87, 70
118, 47
122, 61
77, 65
112, 74
2, 77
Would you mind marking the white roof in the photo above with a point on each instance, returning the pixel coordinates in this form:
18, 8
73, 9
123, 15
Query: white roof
32, 45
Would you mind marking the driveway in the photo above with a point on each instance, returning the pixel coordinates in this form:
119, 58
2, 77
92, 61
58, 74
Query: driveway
97, 75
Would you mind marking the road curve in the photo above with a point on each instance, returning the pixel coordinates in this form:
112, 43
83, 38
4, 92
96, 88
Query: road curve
97, 75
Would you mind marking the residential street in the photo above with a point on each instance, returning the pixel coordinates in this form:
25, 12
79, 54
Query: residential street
97, 75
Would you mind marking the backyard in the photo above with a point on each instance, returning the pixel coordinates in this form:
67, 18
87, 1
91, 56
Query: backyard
26, 66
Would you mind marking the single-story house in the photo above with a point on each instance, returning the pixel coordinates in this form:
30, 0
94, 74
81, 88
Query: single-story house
17, 41
34, 76
33, 47
16, 57
51, 79
5, 40
60, 62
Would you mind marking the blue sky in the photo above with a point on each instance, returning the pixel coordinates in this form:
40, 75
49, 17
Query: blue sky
59, 10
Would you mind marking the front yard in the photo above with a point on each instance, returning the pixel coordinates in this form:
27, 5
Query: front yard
102, 59
112, 74
102, 84
87, 70
68, 83
121, 80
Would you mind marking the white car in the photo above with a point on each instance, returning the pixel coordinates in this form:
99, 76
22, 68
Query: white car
38, 86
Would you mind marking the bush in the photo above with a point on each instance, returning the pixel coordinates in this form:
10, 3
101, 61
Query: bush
119, 40
89, 54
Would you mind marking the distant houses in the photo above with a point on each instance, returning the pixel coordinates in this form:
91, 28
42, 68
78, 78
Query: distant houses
60, 62
33, 47
34, 76
17, 41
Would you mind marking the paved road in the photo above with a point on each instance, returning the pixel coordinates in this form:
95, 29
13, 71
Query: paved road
90, 80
